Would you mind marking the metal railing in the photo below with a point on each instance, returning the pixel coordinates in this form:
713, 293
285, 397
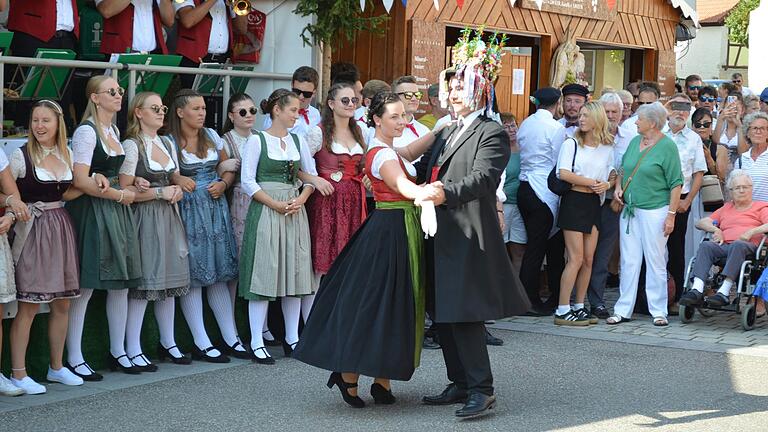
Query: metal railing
133, 69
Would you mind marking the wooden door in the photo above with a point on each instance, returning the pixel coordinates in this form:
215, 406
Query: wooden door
517, 104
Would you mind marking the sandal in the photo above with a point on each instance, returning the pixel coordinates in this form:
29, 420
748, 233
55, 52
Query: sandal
660, 322
616, 319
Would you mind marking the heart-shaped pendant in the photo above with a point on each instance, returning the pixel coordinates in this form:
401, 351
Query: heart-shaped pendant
337, 176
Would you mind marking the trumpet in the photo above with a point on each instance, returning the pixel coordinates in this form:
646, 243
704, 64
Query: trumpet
241, 7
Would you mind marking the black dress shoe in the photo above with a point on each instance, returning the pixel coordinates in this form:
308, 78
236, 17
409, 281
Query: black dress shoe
269, 342
477, 405
148, 367
381, 395
451, 395
492, 340
165, 353
336, 380
601, 312
115, 365
93, 376
232, 351
288, 348
267, 359
198, 354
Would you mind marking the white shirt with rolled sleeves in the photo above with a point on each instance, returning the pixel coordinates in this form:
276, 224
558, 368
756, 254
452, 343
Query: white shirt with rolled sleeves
691, 151
301, 127
218, 41
65, 16
143, 25
252, 153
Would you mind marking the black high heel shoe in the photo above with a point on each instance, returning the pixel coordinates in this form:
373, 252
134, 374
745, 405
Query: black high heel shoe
336, 380
114, 365
93, 376
148, 367
266, 360
198, 354
381, 395
288, 348
165, 353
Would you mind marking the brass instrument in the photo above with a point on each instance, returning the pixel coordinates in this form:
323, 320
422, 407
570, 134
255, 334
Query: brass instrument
241, 7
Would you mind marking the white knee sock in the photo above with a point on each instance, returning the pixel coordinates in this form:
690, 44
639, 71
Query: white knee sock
221, 304
257, 312
291, 311
265, 333
117, 316
136, 309
725, 288
77, 309
306, 306
698, 285
232, 285
165, 313
192, 307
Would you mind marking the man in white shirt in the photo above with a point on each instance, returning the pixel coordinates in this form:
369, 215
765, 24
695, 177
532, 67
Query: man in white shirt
574, 98
648, 94
738, 80
135, 25
694, 165
304, 83
410, 95
540, 137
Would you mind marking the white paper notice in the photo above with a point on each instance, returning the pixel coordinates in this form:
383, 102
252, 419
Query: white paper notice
518, 81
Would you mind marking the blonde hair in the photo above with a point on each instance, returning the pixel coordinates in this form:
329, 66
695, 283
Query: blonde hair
133, 131
91, 110
600, 133
35, 149
181, 100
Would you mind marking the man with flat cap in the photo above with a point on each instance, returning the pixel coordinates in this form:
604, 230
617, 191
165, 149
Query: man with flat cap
540, 137
574, 97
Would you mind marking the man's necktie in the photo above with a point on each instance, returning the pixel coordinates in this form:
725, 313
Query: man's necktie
413, 129
305, 114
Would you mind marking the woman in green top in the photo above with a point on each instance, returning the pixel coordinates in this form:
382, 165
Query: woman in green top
514, 230
649, 187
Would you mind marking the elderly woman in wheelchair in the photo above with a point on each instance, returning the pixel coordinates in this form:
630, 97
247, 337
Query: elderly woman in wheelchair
736, 229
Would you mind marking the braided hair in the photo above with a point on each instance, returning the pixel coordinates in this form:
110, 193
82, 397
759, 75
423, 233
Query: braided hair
379, 105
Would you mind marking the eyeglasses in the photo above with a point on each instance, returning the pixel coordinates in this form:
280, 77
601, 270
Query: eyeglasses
703, 124
759, 129
693, 88
157, 109
411, 95
706, 99
644, 103
306, 94
347, 100
741, 188
244, 112
114, 91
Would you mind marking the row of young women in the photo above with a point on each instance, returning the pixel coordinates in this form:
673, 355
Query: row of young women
148, 220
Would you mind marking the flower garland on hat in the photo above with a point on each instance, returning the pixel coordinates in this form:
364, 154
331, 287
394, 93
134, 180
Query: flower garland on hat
477, 64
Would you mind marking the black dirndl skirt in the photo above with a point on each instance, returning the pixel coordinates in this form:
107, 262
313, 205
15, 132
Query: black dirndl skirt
363, 319
579, 211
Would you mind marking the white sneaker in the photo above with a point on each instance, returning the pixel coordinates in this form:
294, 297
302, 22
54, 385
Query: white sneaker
8, 389
64, 376
28, 385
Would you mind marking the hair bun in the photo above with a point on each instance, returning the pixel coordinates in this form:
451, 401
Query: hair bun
264, 105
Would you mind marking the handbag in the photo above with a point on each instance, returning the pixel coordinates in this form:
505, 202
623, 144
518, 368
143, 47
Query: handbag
617, 206
711, 192
557, 186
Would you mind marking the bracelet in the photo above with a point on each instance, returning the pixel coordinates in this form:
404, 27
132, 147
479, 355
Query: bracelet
671, 212
499, 211
7, 199
12, 215
122, 195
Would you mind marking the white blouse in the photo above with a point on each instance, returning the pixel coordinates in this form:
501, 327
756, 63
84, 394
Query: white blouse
239, 142
314, 139
84, 143
19, 167
132, 156
252, 153
3, 161
210, 155
388, 154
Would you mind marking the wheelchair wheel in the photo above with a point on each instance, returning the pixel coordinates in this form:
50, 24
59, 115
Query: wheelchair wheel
686, 313
748, 317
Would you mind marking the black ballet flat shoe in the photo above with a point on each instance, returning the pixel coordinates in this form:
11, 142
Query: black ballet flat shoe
165, 353
382, 396
233, 352
114, 365
198, 354
336, 380
267, 342
268, 360
92, 377
148, 367
288, 348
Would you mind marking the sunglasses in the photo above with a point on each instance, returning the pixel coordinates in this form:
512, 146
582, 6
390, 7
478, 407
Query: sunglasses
347, 100
703, 124
114, 91
306, 94
157, 109
706, 99
644, 103
693, 88
736, 81
244, 112
411, 95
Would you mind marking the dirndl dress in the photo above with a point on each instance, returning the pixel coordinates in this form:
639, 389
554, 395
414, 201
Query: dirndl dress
108, 244
162, 240
44, 248
275, 260
238, 200
368, 314
7, 282
212, 249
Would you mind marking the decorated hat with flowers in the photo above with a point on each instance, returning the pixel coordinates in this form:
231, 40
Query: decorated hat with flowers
476, 64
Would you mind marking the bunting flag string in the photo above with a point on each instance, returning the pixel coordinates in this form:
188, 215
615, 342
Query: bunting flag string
388, 5
437, 4
460, 3
362, 5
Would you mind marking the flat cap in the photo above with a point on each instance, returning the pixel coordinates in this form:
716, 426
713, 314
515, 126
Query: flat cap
575, 89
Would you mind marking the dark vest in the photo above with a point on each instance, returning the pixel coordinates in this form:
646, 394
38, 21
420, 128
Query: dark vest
32, 189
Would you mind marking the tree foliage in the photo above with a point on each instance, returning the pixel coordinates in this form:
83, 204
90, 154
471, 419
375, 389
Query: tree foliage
334, 17
737, 21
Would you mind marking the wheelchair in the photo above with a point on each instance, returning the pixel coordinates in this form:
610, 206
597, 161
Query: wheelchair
750, 272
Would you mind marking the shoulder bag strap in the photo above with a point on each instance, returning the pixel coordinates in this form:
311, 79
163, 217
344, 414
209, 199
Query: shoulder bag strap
631, 176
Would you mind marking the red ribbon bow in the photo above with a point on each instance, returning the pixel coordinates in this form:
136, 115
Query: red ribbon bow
305, 113
413, 129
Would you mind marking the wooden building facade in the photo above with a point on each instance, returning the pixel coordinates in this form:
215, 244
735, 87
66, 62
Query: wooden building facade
625, 40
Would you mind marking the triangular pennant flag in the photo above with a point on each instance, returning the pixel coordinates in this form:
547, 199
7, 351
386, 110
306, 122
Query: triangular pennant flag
611, 4
437, 4
388, 5
405, 2
512, 3
362, 5
539, 3
460, 3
